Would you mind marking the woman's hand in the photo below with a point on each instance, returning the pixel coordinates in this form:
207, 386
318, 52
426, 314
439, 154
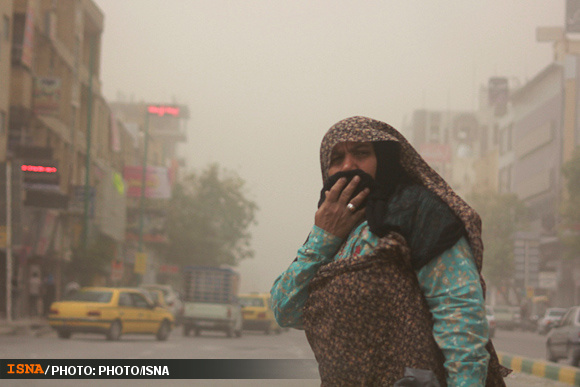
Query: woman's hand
334, 216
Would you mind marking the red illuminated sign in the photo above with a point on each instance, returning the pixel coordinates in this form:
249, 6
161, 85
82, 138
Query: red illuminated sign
163, 110
38, 168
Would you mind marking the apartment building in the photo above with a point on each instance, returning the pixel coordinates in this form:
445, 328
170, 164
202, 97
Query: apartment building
163, 127
447, 141
58, 124
5, 54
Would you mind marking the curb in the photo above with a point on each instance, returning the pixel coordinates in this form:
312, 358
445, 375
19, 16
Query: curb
544, 369
19, 328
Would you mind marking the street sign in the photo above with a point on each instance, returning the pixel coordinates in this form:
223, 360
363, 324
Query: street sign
526, 259
140, 263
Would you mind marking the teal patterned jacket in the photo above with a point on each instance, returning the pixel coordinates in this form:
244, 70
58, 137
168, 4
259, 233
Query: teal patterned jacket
450, 283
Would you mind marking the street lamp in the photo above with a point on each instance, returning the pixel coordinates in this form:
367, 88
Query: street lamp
9, 289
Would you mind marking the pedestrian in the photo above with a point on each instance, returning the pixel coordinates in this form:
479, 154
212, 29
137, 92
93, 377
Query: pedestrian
15, 298
71, 288
387, 285
34, 289
49, 293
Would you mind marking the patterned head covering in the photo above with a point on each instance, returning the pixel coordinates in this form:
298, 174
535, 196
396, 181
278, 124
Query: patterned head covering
363, 129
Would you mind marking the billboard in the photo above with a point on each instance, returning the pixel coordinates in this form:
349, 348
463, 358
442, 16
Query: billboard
47, 95
157, 184
28, 38
153, 226
40, 172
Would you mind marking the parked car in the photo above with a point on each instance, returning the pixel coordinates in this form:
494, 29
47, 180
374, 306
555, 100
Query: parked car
563, 341
109, 311
257, 313
172, 299
550, 319
507, 317
490, 320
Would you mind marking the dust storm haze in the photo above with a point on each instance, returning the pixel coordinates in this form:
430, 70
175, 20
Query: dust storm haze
264, 80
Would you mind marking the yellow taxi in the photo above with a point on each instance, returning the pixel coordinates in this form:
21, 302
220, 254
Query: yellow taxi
257, 313
109, 311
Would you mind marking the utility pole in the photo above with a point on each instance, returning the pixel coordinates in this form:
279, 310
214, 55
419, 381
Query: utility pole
140, 266
143, 181
9, 305
88, 150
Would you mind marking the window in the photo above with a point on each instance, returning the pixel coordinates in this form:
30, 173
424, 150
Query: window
434, 133
505, 144
505, 177
125, 299
6, 28
569, 317
91, 296
2, 122
139, 301
484, 140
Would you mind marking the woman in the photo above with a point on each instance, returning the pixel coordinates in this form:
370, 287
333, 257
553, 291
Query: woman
388, 280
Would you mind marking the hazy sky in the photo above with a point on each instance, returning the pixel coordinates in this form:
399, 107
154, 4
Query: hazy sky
265, 79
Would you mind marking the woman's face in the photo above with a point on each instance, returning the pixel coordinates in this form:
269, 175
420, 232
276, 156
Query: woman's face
347, 156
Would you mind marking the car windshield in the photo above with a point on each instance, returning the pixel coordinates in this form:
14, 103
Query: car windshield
251, 301
90, 296
556, 313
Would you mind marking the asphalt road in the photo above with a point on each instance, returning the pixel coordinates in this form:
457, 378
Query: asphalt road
252, 345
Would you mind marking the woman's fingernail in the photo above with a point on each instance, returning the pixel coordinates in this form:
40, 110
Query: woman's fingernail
356, 179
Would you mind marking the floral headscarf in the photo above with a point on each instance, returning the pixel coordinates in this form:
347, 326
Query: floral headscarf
363, 129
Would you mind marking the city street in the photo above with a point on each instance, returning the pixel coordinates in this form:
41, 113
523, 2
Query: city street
528, 344
252, 345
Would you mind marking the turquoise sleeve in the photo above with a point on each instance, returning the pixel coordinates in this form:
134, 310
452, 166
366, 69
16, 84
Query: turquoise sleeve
290, 289
452, 287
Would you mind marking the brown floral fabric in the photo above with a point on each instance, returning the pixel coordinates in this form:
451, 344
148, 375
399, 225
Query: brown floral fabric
377, 294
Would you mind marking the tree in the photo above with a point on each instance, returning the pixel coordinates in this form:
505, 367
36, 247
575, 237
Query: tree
570, 235
501, 215
208, 219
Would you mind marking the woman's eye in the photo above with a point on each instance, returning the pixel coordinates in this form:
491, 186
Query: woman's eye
335, 160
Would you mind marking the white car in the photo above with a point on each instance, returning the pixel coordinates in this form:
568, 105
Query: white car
550, 319
490, 320
172, 299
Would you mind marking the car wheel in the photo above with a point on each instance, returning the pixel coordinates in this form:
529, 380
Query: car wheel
186, 330
114, 332
573, 358
197, 332
64, 334
549, 354
164, 331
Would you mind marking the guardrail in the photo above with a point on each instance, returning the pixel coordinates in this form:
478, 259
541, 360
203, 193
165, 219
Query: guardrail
541, 368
